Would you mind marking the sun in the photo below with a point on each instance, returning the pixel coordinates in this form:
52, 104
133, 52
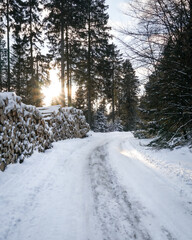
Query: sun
53, 90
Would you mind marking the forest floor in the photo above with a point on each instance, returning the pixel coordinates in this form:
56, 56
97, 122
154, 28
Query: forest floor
105, 187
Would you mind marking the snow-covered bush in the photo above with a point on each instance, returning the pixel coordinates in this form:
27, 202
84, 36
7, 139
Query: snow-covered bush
116, 126
100, 122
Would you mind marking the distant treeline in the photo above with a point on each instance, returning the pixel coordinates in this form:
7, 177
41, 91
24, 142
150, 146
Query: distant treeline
74, 36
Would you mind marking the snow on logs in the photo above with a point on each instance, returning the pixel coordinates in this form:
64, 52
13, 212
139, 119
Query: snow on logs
65, 122
24, 128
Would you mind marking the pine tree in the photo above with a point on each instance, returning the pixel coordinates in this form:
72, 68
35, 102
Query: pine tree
18, 56
5, 22
3, 65
128, 99
19, 69
164, 40
170, 113
80, 99
2, 49
100, 120
1, 19
29, 67
64, 21
33, 41
95, 41
116, 126
148, 109
112, 79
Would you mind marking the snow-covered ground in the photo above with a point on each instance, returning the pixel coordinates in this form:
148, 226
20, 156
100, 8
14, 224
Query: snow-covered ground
104, 187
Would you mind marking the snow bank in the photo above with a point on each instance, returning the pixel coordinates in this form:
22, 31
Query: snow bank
24, 128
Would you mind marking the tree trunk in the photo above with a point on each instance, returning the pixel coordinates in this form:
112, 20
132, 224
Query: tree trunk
31, 44
19, 78
113, 94
68, 69
89, 68
0, 67
70, 83
8, 50
190, 31
62, 64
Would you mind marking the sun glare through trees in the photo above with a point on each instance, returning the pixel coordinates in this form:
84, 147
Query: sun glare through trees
53, 91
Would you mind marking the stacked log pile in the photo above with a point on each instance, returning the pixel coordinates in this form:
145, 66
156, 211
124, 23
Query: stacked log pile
24, 128
65, 122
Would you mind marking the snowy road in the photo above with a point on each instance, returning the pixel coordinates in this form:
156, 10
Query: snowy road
105, 187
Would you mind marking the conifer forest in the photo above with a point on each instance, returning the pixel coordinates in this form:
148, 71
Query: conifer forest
95, 75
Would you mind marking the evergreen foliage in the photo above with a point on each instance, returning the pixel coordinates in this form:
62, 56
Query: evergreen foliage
33, 41
77, 36
3, 65
93, 53
164, 42
116, 126
80, 99
129, 96
27, 69
63, 24
170, 113
100, 120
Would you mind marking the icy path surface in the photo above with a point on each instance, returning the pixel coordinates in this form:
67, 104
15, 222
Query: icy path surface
104, 187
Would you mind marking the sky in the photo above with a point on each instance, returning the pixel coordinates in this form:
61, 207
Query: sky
118, 19
115, 11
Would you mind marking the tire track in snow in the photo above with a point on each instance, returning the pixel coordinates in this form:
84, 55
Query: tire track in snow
118, 217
